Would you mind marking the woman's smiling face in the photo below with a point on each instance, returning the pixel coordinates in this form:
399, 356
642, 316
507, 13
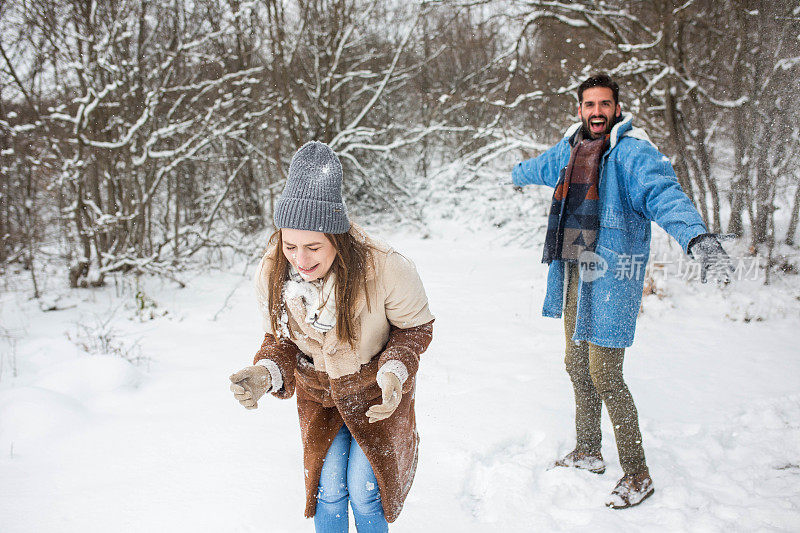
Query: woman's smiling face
310, 252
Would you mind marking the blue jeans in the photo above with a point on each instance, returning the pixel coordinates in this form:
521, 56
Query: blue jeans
347, 474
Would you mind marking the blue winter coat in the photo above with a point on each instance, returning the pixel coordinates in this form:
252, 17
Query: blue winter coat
637, 185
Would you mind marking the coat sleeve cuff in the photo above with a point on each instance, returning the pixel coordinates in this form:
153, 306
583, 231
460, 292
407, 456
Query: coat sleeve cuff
276, 378
690, 234
517, 177
406, 345
395, 367
283, 354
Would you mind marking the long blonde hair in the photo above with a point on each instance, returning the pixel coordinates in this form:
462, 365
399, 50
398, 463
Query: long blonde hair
353, 257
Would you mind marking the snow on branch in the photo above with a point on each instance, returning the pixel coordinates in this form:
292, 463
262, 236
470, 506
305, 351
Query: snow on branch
379, 91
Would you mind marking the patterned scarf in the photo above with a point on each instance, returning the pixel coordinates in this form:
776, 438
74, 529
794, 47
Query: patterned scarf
318, 297
574, 212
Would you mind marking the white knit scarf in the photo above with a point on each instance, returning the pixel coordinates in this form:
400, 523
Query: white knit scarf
318, 297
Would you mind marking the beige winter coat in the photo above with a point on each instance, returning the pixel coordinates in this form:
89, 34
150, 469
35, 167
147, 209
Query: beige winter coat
336, 384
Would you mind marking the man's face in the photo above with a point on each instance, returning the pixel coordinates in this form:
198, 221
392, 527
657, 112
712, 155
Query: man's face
597, 111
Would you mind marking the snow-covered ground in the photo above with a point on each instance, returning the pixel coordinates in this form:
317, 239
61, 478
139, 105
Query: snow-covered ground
92, 442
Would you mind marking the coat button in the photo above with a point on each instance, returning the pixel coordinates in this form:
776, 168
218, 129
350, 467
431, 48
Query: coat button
331, 351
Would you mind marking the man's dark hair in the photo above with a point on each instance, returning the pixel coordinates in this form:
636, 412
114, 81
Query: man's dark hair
599, 80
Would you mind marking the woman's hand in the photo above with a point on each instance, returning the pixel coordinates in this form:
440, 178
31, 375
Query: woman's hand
392, 393
249, 384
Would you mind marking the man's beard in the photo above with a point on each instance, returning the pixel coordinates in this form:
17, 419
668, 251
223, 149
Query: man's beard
587, 131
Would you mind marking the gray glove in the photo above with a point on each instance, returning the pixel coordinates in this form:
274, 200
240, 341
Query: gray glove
391, 394
707, 250
249, 385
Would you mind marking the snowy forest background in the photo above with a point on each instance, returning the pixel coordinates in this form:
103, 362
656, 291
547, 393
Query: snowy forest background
143, 142
137, 133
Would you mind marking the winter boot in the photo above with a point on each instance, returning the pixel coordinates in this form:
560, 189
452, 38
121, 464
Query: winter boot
631, 490
592, 463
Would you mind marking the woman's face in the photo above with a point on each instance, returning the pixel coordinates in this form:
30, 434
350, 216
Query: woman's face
310, 252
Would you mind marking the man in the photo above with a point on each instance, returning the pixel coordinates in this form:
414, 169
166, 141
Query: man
610, 182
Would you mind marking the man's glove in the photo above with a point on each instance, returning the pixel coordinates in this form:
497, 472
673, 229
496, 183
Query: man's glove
249, 384
707, 250
392, 392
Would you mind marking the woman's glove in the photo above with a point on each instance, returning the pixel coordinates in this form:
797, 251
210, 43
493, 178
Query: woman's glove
392, 393
249, 385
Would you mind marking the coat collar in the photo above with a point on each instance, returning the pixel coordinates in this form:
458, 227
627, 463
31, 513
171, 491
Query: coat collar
623, 128
360, 235
369, 269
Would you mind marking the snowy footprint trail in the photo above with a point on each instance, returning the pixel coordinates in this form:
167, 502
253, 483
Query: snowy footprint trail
715, 479
92, 442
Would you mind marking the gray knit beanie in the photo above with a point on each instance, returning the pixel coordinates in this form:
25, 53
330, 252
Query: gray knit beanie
312, 197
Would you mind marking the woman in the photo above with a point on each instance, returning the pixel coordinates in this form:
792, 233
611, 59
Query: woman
346, 320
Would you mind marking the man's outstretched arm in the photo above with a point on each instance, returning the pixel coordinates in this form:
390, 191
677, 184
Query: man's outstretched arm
542, 170
655, 193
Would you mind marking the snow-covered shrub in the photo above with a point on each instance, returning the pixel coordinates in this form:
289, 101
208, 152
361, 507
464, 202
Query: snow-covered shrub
101, 338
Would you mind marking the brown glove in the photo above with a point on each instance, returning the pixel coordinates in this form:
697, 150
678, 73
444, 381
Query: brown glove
249, 385
392, 393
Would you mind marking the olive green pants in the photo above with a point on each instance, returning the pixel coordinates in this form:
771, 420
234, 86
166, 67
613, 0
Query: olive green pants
596, 374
